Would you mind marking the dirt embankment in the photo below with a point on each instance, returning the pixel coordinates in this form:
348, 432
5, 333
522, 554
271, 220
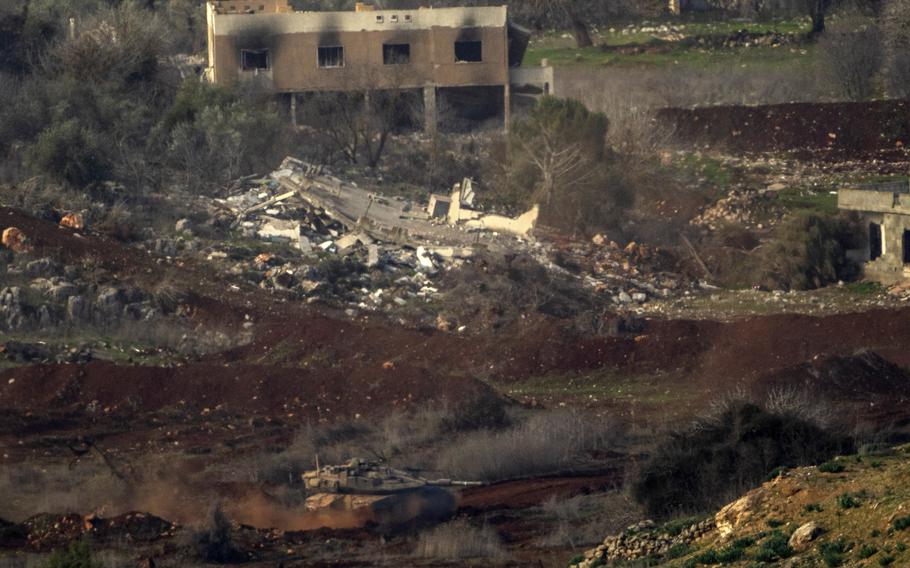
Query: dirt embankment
838, 130
310, 363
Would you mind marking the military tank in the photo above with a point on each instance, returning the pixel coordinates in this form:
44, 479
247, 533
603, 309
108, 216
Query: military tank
376, 493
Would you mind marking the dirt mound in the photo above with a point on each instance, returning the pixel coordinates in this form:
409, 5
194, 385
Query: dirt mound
105, 388
863, 376
825, 129
52, 531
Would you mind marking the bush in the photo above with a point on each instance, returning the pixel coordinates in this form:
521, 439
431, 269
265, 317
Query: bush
69, 153
775, 547
459, 541
833, 552
901, 523
721, 456
77, 555
831, 467
809, 251
848, 501
213, 542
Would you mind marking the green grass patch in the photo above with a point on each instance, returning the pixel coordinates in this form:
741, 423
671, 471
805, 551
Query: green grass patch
901, 523
683, 57
833, 553
832, 467
848, 501
775, 547
796, 198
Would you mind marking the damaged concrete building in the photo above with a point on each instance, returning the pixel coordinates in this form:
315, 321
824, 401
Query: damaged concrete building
468, 54
886, 211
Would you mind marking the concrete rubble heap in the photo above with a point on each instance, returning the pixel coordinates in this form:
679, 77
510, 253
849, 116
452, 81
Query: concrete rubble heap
629, 275
744, 207
371, 252
642, 540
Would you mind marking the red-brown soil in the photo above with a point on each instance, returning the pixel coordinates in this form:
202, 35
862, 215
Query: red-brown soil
838, 130
306, 361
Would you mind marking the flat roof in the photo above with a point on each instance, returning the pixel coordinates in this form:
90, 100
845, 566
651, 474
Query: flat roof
376, 20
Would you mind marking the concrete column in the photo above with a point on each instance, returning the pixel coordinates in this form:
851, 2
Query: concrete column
507, 104
430, 118
294, 110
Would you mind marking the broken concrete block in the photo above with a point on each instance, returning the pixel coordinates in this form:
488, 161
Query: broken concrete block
372, 255
327, 245
352, 239
424, 262
304, 244
184, 226
16, 240
73, 221
639, 297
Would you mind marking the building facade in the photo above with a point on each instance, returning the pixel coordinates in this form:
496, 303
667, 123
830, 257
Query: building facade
886, 212
366, 49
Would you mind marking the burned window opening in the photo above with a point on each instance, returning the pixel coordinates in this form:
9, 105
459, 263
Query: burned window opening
254, 59
331, 56
906, 243
396, 53
875, 241
468, 52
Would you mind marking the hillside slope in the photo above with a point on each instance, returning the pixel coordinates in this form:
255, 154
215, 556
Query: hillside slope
852, 511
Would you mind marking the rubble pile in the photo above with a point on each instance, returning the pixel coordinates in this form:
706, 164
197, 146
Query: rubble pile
633, 274
756, 209
49, 531
642, 540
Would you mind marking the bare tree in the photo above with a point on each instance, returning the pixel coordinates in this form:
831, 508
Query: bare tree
895, 24
569, 11
850, 55
359, 122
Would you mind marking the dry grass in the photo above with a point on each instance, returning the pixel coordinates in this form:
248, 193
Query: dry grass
544, 443
32, 489
459, 541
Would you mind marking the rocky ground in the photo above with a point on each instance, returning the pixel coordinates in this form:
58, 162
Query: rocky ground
852, 511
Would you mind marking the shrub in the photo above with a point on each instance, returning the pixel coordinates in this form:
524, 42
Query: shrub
212, 542
901, 523
69, 153
458, 541
810, 251
833, 552
725, 454
77, 555
886, 560
832, 467
848, 501
775, 547
867, 551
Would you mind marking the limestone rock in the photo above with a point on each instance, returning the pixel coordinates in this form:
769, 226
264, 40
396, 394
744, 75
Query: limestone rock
738, 512
805, 534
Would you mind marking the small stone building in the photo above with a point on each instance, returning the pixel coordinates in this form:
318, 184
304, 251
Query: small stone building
886, 211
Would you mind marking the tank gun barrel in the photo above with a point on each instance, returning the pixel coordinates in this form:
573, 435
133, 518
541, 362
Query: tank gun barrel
453, 483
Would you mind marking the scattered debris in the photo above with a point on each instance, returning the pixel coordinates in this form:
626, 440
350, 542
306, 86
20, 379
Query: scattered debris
16, 240
73, 221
